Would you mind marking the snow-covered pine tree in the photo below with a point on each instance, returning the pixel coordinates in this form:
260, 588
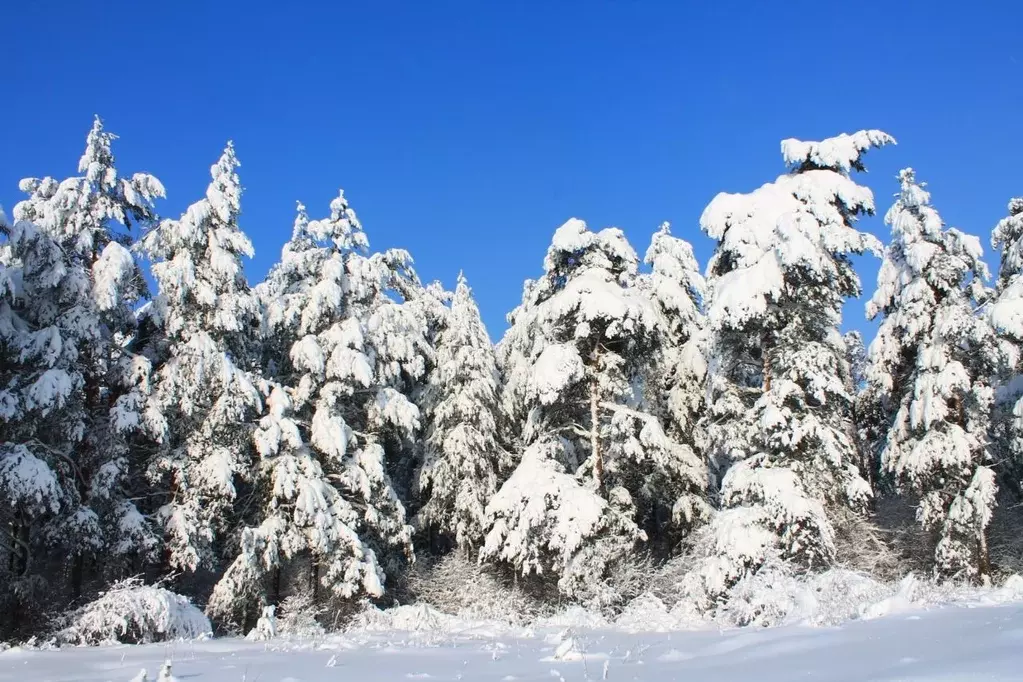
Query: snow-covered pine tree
463, 462
862, 425
777, 424
929, 369
38, 383
1005, 313
676, 371
427, 308
323, 498
856, 358
41, 406
397, 314
81, 390
205, 348
594, 463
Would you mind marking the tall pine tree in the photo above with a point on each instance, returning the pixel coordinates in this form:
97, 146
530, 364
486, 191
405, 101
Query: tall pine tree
464, 463
676, 371
778, 419
595, 464
205, 399
339, 352
1006, 316
929, 369
79, 393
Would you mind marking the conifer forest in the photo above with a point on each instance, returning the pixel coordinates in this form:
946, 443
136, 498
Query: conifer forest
343, 434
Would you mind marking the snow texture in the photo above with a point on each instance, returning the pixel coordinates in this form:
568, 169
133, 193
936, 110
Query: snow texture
941, 644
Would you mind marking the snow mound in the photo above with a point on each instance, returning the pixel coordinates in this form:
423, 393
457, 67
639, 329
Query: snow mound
647, 613
133, 612
775, 596
573, 617
407, 618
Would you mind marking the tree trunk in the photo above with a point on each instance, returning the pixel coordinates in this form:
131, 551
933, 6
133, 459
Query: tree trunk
18, 560
983, 558
765, 356
77, 572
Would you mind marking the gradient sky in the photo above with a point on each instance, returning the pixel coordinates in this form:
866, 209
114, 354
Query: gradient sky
467, 132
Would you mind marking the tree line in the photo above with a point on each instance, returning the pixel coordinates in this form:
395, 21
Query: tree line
341, 422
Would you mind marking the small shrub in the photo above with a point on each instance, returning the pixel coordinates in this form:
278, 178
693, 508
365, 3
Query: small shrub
299, 617
457, 585
135, 613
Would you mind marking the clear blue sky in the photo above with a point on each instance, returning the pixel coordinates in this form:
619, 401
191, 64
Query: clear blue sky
467, 132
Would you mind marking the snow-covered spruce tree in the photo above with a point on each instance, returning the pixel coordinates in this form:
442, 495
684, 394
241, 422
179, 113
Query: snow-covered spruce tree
862, 425
324, 505
204, 343
929, 369
595, 464
77, 393
33, 401
397, 314
676, 371
1005, 314
40, 419
463, 463
856, 358
778, 419
428, 309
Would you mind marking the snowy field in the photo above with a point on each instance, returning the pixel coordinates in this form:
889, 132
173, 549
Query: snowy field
954, 643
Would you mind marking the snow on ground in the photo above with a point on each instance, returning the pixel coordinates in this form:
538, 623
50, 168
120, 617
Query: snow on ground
944, 644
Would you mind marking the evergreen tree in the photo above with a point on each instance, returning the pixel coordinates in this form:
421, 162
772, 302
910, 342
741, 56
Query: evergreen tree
75, 391
205, 396
38, 395
463, 462
928, 370
324, 499
777, 425
861, 427
676, 371
1005, 314
594, 463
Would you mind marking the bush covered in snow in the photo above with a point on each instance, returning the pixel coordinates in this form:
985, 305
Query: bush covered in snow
298, 617
406, 618
458, 585
133, 612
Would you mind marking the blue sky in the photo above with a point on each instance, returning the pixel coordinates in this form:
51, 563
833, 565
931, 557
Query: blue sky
467, 132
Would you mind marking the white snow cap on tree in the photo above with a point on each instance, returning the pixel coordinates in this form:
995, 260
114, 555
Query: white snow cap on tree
1006, 313
929, 369
779, 400
798, 221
